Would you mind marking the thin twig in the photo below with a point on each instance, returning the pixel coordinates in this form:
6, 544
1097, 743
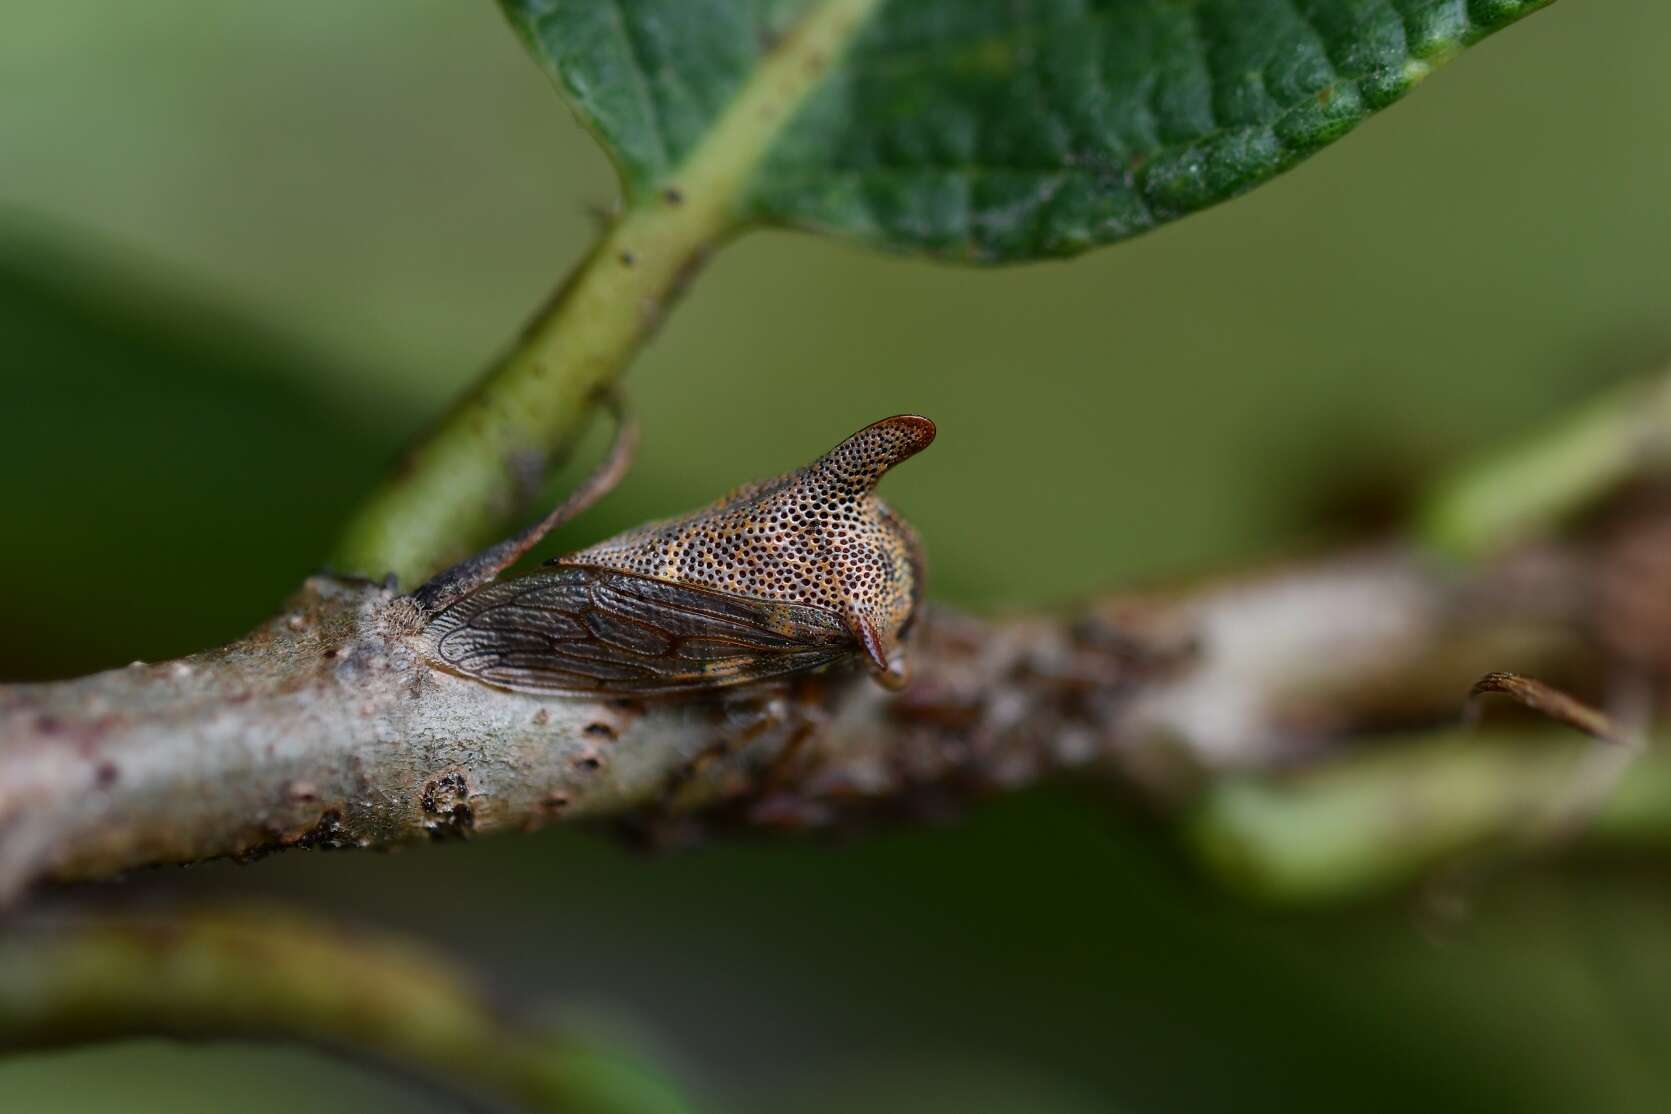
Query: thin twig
473, 572
1549, 701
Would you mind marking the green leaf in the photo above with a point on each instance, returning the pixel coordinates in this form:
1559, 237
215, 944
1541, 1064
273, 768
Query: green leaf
986, 130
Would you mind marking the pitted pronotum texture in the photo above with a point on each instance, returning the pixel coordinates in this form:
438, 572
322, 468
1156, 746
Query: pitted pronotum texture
817, 535
751, 587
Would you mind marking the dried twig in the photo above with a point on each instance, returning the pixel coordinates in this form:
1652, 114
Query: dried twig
1548, 701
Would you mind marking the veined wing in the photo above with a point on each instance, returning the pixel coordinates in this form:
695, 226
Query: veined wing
583, 631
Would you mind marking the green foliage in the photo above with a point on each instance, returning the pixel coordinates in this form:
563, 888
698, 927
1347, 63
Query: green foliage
989, 131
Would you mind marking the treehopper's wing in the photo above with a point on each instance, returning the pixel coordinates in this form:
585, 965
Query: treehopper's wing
582, 631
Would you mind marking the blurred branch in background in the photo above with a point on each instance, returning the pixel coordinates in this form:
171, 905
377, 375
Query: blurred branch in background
270, 974
1385, 818
1381, 816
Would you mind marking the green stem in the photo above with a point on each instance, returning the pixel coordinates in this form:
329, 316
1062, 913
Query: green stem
1531, 485
462, 482
268, 973
1374, 821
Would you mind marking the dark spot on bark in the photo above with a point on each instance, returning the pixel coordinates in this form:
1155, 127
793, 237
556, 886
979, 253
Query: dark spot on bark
446, 805
105, 775
555, 802
601, 731
541, 718
588, 762
331, 653
326, 835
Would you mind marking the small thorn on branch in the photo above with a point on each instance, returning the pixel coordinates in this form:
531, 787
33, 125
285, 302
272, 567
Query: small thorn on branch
1549, 701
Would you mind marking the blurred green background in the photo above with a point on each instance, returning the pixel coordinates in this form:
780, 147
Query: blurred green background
246, 250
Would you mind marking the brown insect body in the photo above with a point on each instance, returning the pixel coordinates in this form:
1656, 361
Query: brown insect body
779, 577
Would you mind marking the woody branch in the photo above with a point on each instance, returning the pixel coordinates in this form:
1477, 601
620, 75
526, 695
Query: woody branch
326, 728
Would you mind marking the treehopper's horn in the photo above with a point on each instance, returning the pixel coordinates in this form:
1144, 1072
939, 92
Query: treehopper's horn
856, 465
864, 458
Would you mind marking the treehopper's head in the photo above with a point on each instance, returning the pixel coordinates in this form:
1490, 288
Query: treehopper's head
817, 536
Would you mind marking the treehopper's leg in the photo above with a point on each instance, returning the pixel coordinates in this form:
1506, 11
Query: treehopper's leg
745, 720
474, 572
776, 717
